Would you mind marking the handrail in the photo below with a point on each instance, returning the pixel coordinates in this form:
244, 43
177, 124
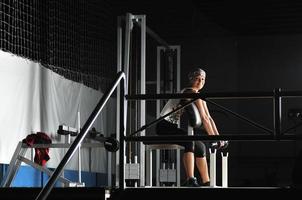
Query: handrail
275, 95
196, 96
182, 138
78, 140
216, 95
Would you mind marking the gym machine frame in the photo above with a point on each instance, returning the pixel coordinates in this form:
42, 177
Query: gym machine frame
135, 170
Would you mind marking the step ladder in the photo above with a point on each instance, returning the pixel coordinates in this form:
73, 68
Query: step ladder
19, 157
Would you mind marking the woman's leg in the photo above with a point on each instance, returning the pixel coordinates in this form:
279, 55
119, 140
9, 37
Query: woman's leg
201, 161
188, 161
202, 166
167, 128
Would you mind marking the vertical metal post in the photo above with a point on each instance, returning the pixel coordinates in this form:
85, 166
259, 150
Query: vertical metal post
157, 167
122, 91
178, 167
142, 102
118, 101
178, 89
158, 86
277, 113
158, 82
224, 169
79, 153
123, 108
122, 127
212, 167
135, 162
129, 26
150, 168
67, 139
109, 170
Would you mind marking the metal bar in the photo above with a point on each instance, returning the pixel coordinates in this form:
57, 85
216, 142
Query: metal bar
79, 153
43, 169
154, 35
78, 140
213, 167
290, 93
119, 68
162, 117
158, 79
240, 117
277, 113
122, 129
178, 67
242, 137
221, 95
142, 105
224, 174
124, 88
63, 145
129, 26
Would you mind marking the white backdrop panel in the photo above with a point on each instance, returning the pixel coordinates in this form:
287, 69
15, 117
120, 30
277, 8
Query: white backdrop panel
34, 98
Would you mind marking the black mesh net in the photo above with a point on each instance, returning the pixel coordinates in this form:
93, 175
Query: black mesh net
75, 38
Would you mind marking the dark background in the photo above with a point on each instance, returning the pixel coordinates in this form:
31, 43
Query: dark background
243, 46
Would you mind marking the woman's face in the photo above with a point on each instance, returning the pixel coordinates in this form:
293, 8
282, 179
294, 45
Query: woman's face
199, 82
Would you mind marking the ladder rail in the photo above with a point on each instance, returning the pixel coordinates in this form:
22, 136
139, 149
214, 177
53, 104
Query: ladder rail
13, 166
19, 157
43, 169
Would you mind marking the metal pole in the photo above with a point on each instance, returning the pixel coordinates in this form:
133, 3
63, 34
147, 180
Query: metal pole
79, 152
142, 104
212, 167
216, 95
277, 113
49, 185
224, 169
119, 68
158, 87
155, 36
122, 128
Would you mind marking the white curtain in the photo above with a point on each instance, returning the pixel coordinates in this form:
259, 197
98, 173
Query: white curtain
34, 99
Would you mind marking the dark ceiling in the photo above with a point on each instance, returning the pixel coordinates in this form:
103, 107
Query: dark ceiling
191, 17
255, 17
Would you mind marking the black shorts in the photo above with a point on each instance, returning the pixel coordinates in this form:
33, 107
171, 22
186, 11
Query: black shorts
166, 128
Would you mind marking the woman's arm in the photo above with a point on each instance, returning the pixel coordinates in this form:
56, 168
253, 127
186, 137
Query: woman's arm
222, 144
210, 118
207, 121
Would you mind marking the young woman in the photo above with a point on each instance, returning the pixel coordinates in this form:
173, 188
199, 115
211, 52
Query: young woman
195, 151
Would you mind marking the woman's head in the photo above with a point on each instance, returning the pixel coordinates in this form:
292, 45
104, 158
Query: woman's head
197, 78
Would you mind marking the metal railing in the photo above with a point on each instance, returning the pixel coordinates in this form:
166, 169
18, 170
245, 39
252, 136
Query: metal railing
78, 140
275, 134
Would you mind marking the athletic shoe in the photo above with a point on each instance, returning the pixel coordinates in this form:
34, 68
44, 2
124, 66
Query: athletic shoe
191, 182
206, 184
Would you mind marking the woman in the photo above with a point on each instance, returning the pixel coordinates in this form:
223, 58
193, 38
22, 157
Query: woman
197, 149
